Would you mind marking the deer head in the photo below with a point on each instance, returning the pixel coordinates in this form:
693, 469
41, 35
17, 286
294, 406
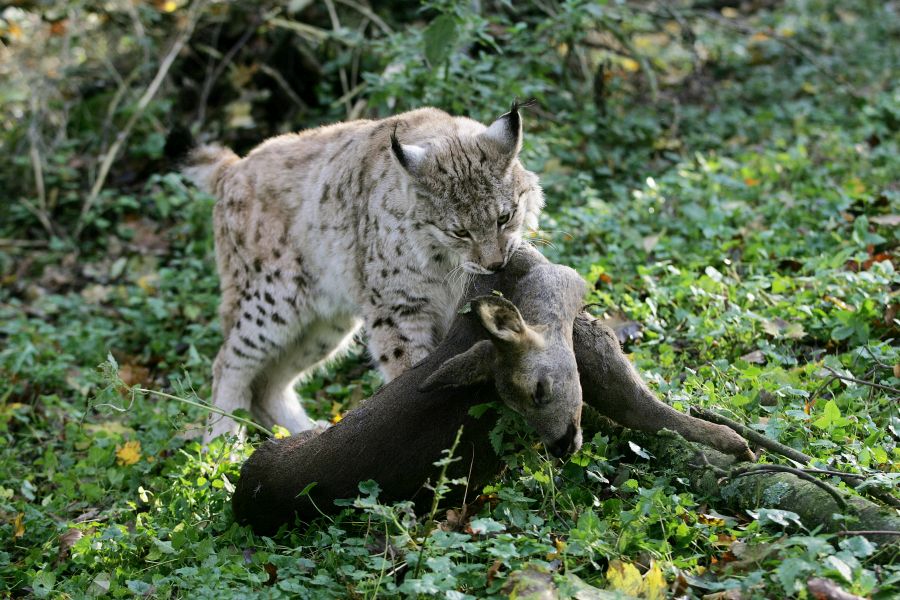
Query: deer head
532, 367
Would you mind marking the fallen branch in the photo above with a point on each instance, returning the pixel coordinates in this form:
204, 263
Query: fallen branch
765, 468
791, 453
878, 386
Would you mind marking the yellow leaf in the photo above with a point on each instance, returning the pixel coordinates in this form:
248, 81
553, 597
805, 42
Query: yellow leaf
169, 6
148, 283
560, 548
730, 13
630, 65
759, 37
280, 432
337, 419
19, 526
655, 584
856, 186
624, 577
128, 453
750, 181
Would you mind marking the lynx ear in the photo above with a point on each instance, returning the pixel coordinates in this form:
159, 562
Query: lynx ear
410, 157
504, 322
506, 132
475, 365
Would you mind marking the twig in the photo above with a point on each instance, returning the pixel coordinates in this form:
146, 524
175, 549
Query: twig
886, 388
336, 27
11, 243
754, 436
37, 165
767, 468
207, 407
180, 40
368, 13
223, 64
866, 532
284, 85
795, 455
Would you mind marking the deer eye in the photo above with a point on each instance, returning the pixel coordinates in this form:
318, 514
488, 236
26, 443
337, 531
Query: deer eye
461, 233
503, 219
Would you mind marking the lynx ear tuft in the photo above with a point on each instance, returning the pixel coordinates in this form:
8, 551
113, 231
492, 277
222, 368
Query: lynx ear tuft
409, 156
506, 131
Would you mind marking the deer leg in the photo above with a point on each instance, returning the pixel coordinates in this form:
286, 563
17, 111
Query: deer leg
610, 384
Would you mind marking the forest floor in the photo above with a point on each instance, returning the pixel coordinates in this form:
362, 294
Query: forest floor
751, 246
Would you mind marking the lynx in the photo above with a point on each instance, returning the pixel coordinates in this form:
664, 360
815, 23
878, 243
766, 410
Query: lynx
374, 222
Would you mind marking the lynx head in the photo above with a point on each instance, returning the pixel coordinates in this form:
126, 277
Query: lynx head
474, 198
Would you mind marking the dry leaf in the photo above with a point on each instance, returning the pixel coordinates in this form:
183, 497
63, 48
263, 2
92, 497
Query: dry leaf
889, 220
624, 577
128, 453
756, 357
132, 375
649, 242
493, 570
66, 541
655, 586
19, 526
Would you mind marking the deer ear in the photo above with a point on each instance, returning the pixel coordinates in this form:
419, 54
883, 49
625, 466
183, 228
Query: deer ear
410, 157
504, 322
468, 368
506, 132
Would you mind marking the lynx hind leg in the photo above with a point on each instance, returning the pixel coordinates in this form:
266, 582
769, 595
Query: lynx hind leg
274, 399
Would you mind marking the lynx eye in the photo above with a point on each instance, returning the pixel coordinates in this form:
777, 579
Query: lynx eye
461, 233
503, 219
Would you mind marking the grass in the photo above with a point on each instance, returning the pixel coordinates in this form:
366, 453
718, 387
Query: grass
750, 231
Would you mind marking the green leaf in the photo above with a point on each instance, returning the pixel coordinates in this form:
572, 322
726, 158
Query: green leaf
831, 417
440, 37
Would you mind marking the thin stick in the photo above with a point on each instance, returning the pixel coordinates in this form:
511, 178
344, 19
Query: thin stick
207, 407
223, 64
766, 468
38, 167
10, 243
886, 388
180, 40
866, 532
345, 83
754, 436
369, 14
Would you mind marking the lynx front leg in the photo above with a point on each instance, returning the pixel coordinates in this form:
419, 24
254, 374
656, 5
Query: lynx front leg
398, 342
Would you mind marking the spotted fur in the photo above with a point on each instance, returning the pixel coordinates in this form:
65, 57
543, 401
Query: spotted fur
365, 222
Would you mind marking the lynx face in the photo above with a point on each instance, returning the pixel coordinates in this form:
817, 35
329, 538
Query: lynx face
474, 199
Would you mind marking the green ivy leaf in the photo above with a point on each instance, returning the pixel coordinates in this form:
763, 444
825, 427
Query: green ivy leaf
440, 37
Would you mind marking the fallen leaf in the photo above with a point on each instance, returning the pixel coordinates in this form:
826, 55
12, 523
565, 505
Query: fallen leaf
19, 526
756, 357
655, 586
624, 577
889, 220
825, 589
649, 242
559, 548
66, 541
128, 453
272, 572
132, 375
493, 570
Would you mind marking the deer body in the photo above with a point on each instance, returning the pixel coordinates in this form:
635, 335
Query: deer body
396, 435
